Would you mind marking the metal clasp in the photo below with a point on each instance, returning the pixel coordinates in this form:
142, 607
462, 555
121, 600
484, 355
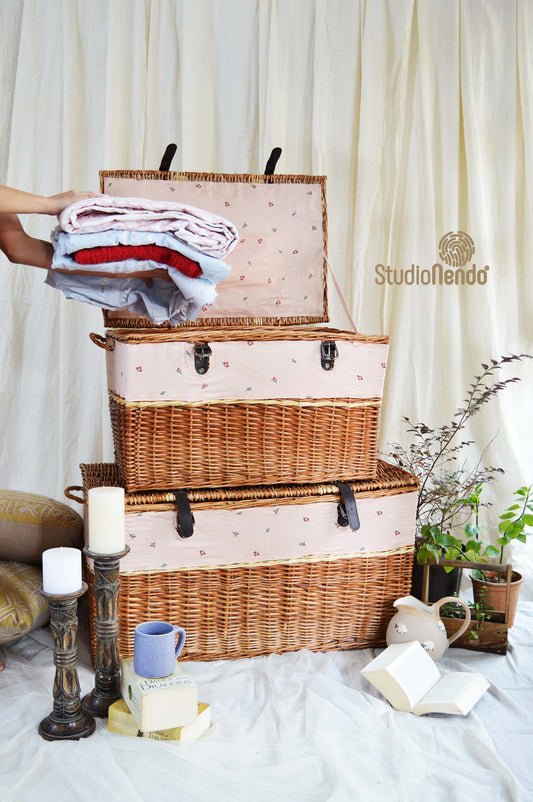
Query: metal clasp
328, 354
201, 358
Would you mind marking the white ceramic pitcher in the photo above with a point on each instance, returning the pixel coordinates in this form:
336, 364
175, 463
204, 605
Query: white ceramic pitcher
418, 621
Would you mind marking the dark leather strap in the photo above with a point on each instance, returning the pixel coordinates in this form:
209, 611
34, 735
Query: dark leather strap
185, 520
272, 161
348, 515
168, 155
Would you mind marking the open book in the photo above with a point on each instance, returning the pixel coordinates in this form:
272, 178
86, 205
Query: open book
409, 679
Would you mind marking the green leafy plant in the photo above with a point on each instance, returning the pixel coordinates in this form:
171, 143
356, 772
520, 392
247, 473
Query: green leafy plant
516, 523
450, 490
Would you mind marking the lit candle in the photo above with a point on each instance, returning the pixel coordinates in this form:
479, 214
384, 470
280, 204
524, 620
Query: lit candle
107, 523
62, 571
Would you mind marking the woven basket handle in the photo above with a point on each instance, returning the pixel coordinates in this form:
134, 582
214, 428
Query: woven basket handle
101, 342
69, 493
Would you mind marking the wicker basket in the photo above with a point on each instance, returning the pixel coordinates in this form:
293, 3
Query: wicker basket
231, 441
231, 611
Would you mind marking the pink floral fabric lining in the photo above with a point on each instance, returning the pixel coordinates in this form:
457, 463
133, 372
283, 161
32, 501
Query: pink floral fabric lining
261, 534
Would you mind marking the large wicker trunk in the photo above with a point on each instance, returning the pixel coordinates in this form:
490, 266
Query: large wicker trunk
266, 569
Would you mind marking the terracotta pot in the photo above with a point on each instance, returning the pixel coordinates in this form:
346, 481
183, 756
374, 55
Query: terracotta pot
492, 594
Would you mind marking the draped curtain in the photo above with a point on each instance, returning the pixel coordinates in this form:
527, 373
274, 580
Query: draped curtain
420, 114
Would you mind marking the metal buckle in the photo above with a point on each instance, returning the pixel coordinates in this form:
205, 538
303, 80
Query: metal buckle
328, 354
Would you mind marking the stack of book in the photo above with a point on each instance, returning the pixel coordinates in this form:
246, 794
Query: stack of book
165, 709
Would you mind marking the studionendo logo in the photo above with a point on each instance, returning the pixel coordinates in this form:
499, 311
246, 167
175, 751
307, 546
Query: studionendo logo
456, 249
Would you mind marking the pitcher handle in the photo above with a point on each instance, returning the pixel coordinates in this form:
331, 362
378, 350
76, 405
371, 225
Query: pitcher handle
468, 616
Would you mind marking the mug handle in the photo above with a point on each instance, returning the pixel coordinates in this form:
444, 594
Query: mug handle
466, 624
181, 640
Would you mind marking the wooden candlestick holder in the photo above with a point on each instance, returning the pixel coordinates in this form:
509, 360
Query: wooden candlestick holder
68, 720
107, 660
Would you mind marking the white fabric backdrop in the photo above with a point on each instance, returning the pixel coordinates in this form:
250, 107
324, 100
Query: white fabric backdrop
420, 114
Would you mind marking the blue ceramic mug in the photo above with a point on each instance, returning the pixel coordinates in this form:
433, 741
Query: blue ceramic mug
155, 650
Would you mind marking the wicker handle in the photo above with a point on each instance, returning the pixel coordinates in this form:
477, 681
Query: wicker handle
69, 493
101, 342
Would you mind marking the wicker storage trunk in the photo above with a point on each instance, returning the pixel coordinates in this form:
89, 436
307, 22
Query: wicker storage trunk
266, 569
266, 407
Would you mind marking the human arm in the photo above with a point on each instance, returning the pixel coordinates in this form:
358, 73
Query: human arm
15, 201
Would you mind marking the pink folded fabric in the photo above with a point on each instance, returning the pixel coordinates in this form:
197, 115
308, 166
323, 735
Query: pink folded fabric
200, 229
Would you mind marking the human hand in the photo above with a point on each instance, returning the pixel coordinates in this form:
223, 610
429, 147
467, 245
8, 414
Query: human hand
59, 202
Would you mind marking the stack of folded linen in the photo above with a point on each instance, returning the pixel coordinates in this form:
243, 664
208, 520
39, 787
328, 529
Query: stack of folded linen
159, 260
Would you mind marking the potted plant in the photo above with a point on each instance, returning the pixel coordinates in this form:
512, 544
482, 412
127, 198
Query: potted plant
516, 523
438, 457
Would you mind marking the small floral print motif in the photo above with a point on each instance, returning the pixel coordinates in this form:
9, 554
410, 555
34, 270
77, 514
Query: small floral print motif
278, 302
250, 342
139, 369
270, 203
274, 230
260, 240
226, 203
293, 214
267, 530
310, 192
172, 189
248, 389
242, 278
132, 536
179, 370
235, 534
256, 554
269, 281
379, 512
429, 646
164, 565
242, 241
401, 629
305, 520
205, 308
226, 364
383, 364
397, 532
202, 553
303, 543
274, 379
294, 361
313, 228
244, 225
295, 250
204, 385
162, 392
276, 511
310, 275
152, 545
254, 186
198, 186
359, 378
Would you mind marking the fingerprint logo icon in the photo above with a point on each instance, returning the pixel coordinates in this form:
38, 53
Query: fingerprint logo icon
456, 248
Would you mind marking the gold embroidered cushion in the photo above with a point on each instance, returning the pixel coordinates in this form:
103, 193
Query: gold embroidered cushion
29, 524
22, 608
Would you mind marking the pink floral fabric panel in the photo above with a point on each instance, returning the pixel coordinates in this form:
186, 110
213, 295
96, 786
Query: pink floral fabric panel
277, 266
240, 370
261, 534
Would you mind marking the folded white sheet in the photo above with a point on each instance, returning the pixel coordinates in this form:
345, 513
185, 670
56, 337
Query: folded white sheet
207, 232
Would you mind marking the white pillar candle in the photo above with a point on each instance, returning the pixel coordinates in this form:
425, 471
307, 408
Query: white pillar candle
107, 522
62, 571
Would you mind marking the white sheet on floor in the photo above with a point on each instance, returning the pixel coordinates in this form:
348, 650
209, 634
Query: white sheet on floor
302, 726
